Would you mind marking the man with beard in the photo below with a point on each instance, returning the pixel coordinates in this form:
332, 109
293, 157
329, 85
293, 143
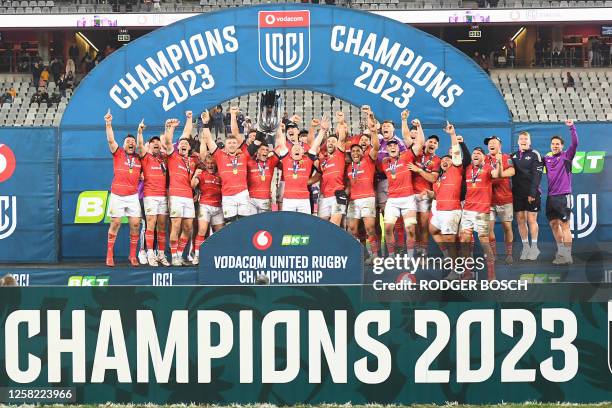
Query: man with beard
446, 206
558, 202
181, 166
501, 204
124, 191
401, 202
526, 194
297, 169
207, 179
362, 197
425, 168
477, 207
333, 200
232, 166
154, 168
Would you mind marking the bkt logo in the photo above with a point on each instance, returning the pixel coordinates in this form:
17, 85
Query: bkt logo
88, 281
8, 204
284, 43
91, 208
588, 162
583, 219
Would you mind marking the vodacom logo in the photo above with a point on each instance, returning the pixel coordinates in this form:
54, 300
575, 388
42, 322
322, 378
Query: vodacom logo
262, 240
7, 162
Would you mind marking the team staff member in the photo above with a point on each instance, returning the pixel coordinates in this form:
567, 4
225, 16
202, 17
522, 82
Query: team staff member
124, 191
154, 168
297, 168
477, 207
333, 200
526, 194
207, 179
181, 166
501, 204
232, 166
446, 207
426, 169
362, 196
558, 202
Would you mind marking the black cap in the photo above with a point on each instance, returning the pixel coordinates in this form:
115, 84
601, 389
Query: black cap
480, 149
434, 137
488, 139
391, 141
220, 145
291, 125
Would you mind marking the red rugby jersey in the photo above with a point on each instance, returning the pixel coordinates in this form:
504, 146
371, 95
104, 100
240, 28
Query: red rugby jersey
502, 190
210, 189
447, 189
297, 173
361, 178
479, 188
232, 170
155, 169
431, 164
332, 168
398, 174
126, 173
260, 176
181, 170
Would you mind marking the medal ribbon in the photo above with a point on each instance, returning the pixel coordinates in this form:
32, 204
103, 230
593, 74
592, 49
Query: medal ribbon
262, 169
296, 166
475, 176
393, 166
354, 169
235, 163
161, 164
187, 164
424, 164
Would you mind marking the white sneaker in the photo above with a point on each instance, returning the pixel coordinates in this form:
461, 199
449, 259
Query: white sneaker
185, 262
558, 259
524, 253
568, 259
151, 259
176, 260
196, 259
533, 254
161, 258
142, 257
190, 258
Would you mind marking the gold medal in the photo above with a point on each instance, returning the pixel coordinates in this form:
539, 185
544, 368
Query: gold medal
235, 171
130, 171
393, 176
263, 178
294, 175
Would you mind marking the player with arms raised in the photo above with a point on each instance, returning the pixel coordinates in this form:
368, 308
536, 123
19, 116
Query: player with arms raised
124, 191
181, 166
360, 187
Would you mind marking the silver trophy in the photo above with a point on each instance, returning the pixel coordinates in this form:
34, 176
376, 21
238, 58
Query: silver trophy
270, 113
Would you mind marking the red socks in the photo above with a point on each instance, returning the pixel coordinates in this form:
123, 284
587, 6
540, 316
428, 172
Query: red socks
374, 245
134, 244
182, 243
149, 238
161, 241
199, 240
173, 246
110, 245
400, 233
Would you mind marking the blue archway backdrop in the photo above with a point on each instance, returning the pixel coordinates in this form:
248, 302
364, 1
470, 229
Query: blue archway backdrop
200, 62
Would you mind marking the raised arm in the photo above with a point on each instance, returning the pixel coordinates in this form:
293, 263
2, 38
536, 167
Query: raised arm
234, 125
171, 125
456, 155
342, 129
110, 135
373, 127
571, 150
188, 125
314, 149
466, 158
140, 147
314, 124
420, 138
406, 128
204, 134
497, 172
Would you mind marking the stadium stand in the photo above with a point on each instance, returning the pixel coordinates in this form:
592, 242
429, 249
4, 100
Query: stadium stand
197, 6
532, 95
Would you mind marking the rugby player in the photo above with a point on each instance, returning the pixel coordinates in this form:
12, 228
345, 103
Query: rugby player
333, 199
207, 179
124, 191
260, 166
232, 166
401, 201
154, 168
362, 196
181, 166
426, 169
501, 204
446, 207
526, 194
558, 201
297, 169
477, 207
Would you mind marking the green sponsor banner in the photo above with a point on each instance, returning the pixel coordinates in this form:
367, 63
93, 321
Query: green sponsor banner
288, 345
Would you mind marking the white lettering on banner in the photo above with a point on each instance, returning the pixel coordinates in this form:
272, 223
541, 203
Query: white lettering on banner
174, 59
402, 65
90, 207
8, 216
581, 223
370, 328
